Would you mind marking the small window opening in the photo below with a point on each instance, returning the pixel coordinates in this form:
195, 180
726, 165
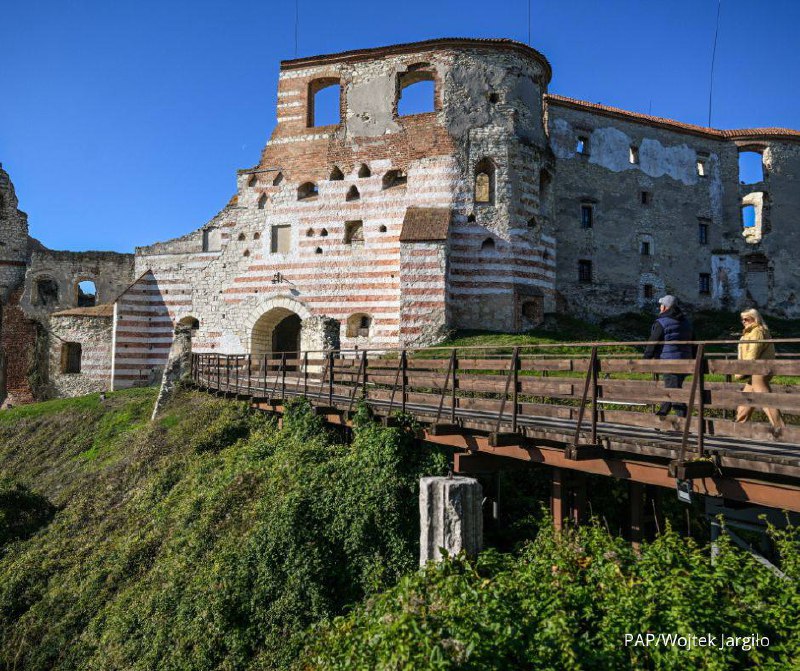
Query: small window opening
702, 164
582, 145
494, 98
253, 180
278, 179
324, 233
382, 229
318, 250
416, 91
648, 291
353, 194
87, 294
307, 190
488, 245
532, 222
358, 325
354, 233
646, 197
336, 174
256, 236
281, 239
633, 155
587, 216
212, 239
748, 216
545, 181
310, 232
470, 218
246, 252
46, 292
241, 237
751, 167
324, 102
262, 201
364, 171
705, 283
644, 248
71, 358
394, 178
484, 182
584, 270
702, 232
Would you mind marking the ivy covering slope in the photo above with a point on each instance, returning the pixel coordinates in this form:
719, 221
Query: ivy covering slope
566, 602
209, 539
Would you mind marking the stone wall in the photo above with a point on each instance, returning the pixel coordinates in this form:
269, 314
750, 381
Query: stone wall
18, 338
93, 332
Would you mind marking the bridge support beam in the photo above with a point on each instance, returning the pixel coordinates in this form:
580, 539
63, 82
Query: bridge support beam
451, 517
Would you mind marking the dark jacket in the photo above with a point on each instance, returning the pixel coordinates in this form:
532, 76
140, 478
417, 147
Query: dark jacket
669, 326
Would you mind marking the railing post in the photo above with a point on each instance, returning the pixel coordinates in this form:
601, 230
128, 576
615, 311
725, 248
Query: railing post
595, 367
701, 404
305, 373
453, 398
404, 364
514, 390
364, 379
219, 374
249, 374
237, 372
283, 376
330, 378
227, 372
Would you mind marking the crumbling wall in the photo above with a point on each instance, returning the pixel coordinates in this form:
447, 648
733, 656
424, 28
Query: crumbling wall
92, 331
18, 337
14, 241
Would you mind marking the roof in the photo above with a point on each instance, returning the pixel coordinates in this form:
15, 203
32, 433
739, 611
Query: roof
671, 124
425, 224
104, 310
410, 47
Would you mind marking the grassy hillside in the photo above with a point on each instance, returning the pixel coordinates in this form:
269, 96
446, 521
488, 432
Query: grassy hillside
208, 540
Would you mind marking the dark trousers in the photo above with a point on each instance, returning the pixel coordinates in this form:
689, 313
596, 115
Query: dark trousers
673, 381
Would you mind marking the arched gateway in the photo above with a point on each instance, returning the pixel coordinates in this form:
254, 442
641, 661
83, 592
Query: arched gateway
284, 324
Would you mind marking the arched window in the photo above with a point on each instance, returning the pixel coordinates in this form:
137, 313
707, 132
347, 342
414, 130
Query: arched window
46, 292
488, 245
416, 90
382, 229
484, 182
262, 201
278, 179
318, 250
241, 237
394, 178
309, 232
336, 174
256, 236
358, 325
751, 167
253, 180
246, 252
353, 194
324, 233
354, 233
324, 102
307, 190
192, 322
364, 171
87, 294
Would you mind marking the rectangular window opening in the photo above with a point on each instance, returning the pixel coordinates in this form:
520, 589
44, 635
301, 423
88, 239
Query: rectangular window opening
634, 155
705, 283
648, 291
587, 216
584, 270
582, 145
645, 248
281, 239
702, 232
646, 197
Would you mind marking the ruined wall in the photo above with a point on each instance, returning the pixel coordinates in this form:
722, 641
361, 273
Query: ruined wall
18, 337
651, 186
92, 330
14, 241
232, 271
111, 273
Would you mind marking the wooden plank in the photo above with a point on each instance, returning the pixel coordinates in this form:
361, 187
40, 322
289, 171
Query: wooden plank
547, 364
732, 399
761, 367
641, 391
537, 386
484, 364
545, 410
646, 366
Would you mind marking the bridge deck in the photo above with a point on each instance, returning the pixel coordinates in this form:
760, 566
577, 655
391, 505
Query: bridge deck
589, 412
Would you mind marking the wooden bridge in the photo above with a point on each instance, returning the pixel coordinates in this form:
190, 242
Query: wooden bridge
576, 407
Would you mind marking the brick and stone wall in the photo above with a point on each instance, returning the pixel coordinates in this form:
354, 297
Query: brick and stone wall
92, 331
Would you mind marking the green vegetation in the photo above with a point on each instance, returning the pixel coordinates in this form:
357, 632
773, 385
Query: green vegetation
566, 602
209, 539
214, 539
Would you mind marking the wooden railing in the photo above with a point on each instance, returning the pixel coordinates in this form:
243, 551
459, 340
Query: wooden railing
592, 392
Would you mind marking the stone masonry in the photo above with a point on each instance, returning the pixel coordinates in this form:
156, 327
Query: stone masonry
496, 204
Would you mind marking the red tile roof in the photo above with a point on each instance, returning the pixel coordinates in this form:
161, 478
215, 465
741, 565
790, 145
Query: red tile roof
425, 224
671, 124
104, 310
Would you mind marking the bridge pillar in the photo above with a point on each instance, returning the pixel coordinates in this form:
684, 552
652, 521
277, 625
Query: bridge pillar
451, 517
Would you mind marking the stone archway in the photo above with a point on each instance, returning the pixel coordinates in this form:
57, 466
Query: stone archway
275, 331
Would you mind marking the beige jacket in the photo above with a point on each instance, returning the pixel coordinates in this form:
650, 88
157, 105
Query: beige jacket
751, 351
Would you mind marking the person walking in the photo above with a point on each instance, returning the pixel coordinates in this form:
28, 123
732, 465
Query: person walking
753, 330
670, 327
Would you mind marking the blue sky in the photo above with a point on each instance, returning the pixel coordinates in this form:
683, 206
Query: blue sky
123, 123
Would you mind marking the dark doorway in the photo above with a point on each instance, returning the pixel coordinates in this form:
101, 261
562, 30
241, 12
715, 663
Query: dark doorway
286, 335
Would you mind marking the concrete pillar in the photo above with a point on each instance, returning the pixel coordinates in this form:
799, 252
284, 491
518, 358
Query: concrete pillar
451, 517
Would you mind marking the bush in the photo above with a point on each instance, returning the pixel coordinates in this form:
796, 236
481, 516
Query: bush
22, 512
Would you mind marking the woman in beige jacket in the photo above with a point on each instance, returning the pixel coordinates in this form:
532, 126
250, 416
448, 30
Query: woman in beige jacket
754, 329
